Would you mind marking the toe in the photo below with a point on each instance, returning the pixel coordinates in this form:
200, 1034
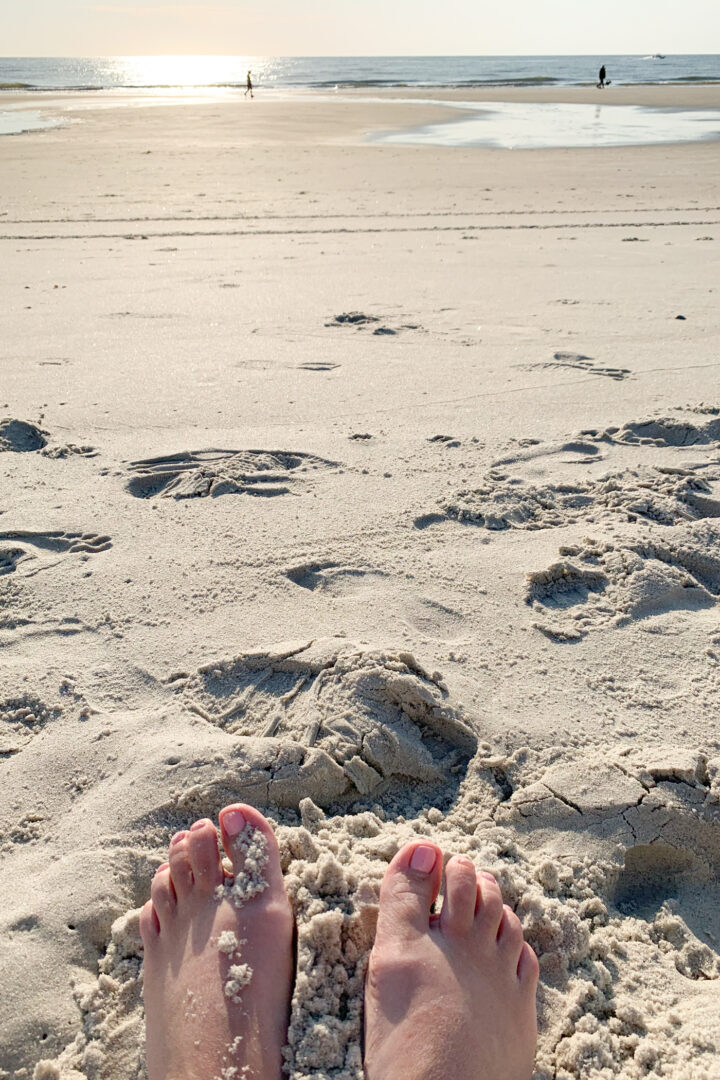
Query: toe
251, 846
409, 889
162, 894
489, 908
149, 925
180, 869
204, 856
461, 893
510, 936
528, 968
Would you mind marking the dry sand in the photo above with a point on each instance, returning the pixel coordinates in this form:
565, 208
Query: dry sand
449, 567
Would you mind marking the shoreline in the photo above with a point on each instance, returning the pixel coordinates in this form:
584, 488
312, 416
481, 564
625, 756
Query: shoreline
447, 120
701, 95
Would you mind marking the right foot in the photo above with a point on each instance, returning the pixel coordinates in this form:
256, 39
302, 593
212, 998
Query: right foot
217, 976
449, 995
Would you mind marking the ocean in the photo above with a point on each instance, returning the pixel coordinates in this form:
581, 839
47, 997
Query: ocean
344, 72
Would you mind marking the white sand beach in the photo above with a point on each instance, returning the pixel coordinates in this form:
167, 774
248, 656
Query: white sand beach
377, 486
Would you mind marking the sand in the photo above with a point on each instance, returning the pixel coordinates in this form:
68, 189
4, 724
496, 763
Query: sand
376, 486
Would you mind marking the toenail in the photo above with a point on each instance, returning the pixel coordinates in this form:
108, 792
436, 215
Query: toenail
488, 876
423, 859
233, 822
464, 861
163, 866
179, 836
199, 824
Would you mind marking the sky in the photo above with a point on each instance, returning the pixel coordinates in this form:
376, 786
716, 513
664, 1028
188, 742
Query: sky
357, 27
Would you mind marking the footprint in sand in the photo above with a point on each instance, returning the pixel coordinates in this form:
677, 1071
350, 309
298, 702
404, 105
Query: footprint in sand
69, 450
611, 584
360, 321
552, 485
659, 496
665, 431
30, 552
21, 437
334, 579
319, 366
578, 362
332, 721
353, 318
429, 617
27, 830
433, 619
201, 473
21, 718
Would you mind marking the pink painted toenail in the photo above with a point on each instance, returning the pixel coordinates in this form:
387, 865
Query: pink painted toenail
423, 859
198, 824
488, 876
178, 837
234, 822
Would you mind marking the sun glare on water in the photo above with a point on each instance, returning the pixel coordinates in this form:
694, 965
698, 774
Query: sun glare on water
182, 71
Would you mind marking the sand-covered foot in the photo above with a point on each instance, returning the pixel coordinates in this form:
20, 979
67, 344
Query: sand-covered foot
218, 955
449, 995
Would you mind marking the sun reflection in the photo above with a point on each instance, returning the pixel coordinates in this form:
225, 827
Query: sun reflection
186, 71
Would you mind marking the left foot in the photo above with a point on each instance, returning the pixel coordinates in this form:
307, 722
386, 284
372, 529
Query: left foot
218, 961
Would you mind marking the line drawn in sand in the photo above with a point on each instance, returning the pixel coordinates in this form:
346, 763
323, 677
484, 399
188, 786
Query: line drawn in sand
193, 474
336, 721
30, 552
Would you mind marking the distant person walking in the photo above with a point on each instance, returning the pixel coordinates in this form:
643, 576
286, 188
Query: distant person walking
601, 84
249, 89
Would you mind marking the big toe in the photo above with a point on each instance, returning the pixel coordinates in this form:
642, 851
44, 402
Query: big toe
409, 889
252, 848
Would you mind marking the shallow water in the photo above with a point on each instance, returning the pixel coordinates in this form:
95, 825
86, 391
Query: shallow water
16, 121
523, 126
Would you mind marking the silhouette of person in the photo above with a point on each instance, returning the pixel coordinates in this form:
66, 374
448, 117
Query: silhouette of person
249, 89
601, 84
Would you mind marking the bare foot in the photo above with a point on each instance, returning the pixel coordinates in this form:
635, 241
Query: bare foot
218, 955
449, 995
